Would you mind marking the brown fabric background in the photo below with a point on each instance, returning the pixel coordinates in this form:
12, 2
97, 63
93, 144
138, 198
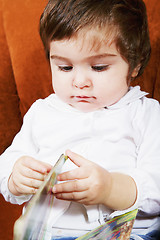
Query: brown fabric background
25, 75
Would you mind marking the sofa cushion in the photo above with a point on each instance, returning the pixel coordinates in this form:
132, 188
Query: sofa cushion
150, 80
10, 117
30, 66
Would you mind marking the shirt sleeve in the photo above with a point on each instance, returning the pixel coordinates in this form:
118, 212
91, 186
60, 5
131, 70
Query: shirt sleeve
23, 145
146, 174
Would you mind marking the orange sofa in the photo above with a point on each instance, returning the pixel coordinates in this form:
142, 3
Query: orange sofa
25, 75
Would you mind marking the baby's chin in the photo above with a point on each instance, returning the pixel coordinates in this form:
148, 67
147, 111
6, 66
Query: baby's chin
86, 107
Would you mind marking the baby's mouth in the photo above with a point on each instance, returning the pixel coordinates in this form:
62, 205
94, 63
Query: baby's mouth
84, 98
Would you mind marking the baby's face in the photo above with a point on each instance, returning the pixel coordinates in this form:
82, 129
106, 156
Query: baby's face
87, 78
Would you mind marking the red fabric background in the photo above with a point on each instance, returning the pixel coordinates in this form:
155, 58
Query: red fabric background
25, 75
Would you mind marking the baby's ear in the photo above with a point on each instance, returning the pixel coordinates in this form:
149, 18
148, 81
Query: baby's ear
135, 71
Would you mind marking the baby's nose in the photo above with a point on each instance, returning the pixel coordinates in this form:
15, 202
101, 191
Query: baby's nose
81, 80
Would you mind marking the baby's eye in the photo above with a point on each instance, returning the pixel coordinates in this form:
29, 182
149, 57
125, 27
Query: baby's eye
65, 68
100, 68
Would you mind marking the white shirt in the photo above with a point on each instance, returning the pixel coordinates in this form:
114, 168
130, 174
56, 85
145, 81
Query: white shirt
124, 137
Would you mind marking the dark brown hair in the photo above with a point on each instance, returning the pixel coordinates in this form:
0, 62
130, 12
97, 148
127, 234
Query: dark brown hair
63, 19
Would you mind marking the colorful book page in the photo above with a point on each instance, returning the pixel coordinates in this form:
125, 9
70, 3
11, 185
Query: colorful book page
117, 228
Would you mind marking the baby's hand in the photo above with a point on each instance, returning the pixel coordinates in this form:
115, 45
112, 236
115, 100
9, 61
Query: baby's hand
87, 184
27, 175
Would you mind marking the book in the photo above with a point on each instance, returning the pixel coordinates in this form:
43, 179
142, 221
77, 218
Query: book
32, 224
119, 227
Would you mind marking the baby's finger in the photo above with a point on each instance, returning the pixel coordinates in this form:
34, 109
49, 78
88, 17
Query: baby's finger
77, 159
32, 183
29, 173
23, 189
36, 165
70, 186
78, 173
73, 196
19, 181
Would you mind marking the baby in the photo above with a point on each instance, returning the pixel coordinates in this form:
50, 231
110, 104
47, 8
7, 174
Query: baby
109, 130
